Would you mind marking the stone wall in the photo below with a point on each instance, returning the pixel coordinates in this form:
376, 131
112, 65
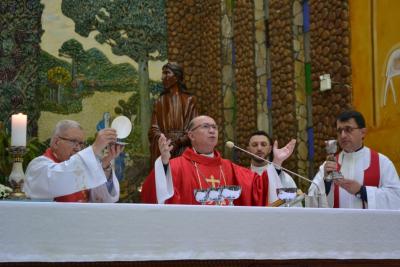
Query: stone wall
194, 32
232, 49
284, 121
228, 77
300, 90
246, 104
330, 47
260, 61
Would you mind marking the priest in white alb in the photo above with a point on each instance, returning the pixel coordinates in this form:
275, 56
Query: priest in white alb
69, 172
370, 178
260, 144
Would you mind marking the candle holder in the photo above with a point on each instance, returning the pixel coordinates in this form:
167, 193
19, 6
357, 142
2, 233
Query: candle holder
17, 175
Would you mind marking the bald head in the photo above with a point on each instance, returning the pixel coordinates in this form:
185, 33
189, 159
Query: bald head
203, 134
195, 121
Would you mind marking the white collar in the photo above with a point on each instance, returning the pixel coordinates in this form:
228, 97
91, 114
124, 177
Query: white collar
210, 155
258, 169
355, 153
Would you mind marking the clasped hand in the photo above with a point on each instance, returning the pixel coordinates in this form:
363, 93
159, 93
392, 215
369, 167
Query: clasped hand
349, 185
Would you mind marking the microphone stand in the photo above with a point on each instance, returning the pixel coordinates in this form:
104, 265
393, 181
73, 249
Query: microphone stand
232, 145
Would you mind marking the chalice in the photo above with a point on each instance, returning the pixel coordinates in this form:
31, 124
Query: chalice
215, 194
287, 194
201, 195
231, 192
331, 149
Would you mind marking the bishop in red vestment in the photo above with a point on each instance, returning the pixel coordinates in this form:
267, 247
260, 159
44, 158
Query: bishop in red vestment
200, 167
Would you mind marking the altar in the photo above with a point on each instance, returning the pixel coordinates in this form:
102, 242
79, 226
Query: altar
83, 234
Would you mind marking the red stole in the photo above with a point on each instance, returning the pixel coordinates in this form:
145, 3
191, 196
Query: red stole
80, 196
187, 178
371, 176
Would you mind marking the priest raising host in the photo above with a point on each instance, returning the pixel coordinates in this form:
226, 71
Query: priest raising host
69, 172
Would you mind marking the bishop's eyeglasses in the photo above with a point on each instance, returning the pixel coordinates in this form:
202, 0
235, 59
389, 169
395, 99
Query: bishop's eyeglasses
74, 143
206, 126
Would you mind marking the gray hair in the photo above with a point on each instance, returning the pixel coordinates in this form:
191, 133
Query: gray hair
63, 126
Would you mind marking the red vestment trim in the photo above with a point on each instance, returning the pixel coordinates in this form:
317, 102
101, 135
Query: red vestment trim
371, 176
80, 196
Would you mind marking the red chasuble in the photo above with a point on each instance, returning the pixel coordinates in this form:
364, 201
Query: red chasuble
80, 196
194, 171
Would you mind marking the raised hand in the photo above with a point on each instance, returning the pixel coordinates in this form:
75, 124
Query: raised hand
113, 151
281, 154
165, 147
103, 139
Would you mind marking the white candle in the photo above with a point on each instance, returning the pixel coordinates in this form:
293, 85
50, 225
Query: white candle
18, 129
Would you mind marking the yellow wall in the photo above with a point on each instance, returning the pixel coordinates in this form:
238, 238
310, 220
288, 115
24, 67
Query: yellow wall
375, 35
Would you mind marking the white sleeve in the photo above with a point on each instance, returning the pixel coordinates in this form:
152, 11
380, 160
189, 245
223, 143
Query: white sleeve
317, 189
274, 182
387, 195
287, 180
164, 184
318, 182
101, 194
46, 179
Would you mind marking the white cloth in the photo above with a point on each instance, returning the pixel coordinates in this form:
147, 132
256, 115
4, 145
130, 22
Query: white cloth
89, 232
164, 184
46, 179
275, 181
385, 196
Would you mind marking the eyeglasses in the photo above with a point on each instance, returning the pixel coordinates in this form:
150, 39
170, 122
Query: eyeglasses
206, 126
346, 129
74, 143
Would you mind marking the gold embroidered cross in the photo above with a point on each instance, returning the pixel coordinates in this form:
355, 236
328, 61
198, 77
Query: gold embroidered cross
213, 181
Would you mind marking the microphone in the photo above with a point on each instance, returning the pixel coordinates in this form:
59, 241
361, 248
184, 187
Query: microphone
231, 145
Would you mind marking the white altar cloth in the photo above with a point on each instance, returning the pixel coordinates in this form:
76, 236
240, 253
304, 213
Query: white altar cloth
75, 232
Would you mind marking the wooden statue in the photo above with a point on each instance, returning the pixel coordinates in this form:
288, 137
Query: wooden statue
172, 112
